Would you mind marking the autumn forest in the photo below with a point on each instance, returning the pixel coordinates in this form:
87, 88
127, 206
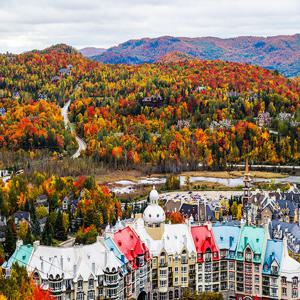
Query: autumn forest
166, 116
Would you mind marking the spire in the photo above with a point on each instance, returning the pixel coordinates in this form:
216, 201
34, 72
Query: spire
247, 167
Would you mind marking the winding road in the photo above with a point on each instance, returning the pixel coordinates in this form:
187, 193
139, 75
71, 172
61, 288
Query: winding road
81, 143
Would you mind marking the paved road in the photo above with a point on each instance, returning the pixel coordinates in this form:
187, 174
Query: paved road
81, 143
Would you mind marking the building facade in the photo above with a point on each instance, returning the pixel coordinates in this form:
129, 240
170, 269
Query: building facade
148, 258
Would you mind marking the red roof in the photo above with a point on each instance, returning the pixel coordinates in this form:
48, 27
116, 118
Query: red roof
131, 245
204, 241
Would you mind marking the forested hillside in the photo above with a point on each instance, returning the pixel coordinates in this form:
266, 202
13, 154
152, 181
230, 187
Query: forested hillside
165, 116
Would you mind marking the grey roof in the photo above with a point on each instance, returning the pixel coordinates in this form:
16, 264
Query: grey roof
291, 227
22, 215
172, 206
292, 206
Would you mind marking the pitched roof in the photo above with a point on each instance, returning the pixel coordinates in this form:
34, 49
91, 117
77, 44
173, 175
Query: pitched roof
204, 240
227, 236
289, 267
110, 244
175, 239
75, 262
21, 256
130, 245
254, 237
274, 251
172, 205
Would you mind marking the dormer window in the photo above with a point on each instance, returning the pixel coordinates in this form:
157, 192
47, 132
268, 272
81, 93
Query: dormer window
295, 281
248, 254
274, 270
91, 283
80, 284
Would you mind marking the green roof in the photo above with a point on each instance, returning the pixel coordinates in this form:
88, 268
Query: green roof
254, 237
21, 256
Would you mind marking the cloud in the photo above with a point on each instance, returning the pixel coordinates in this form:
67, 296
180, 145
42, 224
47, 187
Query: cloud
29, 24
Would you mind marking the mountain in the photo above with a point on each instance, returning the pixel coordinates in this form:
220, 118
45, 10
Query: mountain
276, 52
91, 51
60, 48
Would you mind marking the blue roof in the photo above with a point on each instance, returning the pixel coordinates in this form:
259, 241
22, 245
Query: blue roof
227, 236
110, 244
21, 256
274, 251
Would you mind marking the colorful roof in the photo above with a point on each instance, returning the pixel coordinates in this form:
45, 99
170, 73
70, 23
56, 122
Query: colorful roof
204, 241
21, 256
254, 237
110, 244
273, 253
227, 237
130, 245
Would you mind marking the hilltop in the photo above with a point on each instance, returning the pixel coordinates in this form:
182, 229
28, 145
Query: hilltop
280, 53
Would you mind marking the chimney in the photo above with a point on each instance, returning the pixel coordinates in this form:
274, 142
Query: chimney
62, 262
122, 258
42, 264
74, 270
35, 245
231, 238
242, 223
93, 267
266, 227
105, 257
19, 243
285, 247
185, 240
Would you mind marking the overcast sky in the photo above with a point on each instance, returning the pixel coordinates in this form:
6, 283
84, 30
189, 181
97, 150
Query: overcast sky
36, 24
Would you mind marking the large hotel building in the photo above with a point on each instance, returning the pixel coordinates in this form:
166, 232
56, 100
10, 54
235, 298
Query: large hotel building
147, 258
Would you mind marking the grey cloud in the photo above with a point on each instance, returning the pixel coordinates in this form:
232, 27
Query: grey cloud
27, 24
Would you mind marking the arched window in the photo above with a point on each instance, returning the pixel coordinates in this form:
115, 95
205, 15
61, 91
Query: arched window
170, 295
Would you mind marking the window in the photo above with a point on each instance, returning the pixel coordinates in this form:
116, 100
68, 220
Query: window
231, 276
163, 283
163, 272
176, 280
257, 289
163, 296
283, 280
295, 293
170, 295
176, 294
79, 284
184, 280
256, 268
184, 269
274, 291
284, 291
273, 281
295, 281
91, 283
257, 279
176, 270
80, 296
231, 265
274, 269
208, 277
91, 295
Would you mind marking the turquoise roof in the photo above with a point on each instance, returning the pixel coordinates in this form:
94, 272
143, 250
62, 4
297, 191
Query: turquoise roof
227, 237
274, 251
254, 237
21, 256
110, 244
